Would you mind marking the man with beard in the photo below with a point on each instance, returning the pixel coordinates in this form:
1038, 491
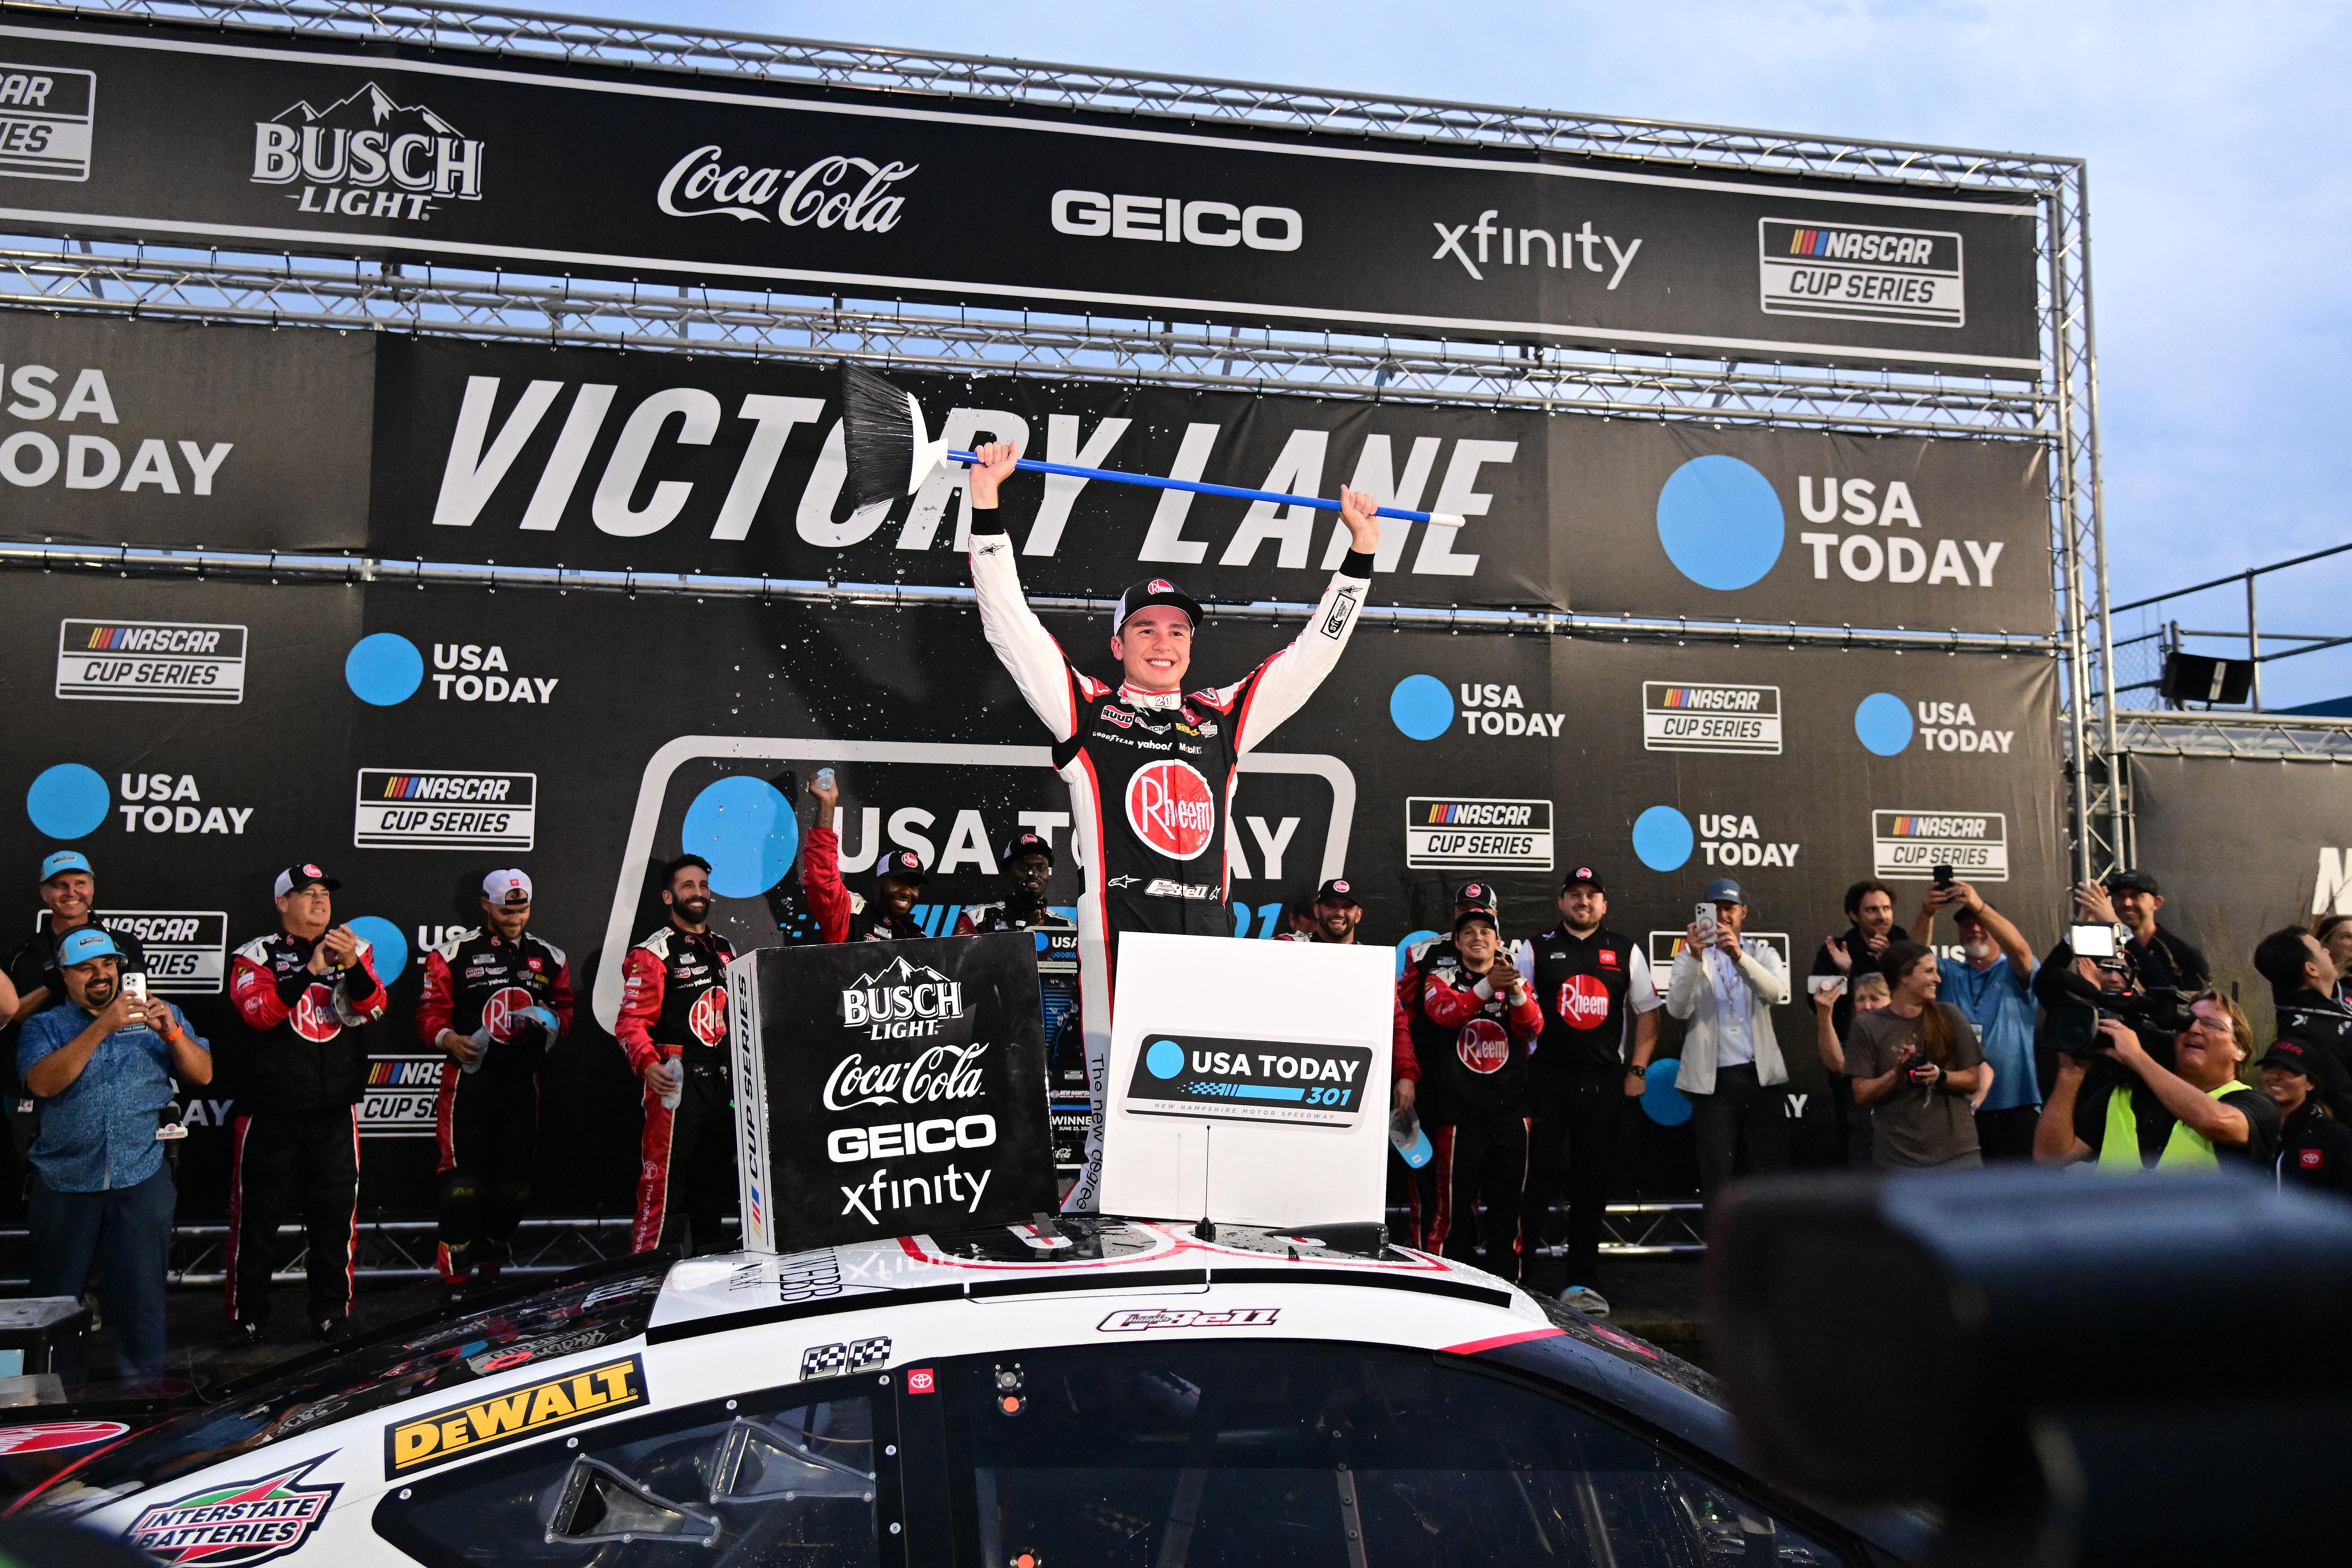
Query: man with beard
841, 915
1028, 862
1332, 917
496, 1000
1870, 916
69, 890
672, 1029
1993, 988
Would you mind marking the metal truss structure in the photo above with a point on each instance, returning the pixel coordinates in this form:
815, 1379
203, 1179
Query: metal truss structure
2057, 407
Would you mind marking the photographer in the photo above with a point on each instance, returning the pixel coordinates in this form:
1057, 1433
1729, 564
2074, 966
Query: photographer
2168, 1102
2303, 984
1915, 1064
1993, 988
101, 1064
2314, 1148
2162, 960
1724, 987
1869, 915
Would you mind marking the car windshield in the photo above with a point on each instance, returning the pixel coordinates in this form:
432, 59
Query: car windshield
1199, 1455
611, 1306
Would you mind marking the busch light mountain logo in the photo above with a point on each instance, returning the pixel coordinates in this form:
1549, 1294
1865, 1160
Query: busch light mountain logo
901, 1001
366, 156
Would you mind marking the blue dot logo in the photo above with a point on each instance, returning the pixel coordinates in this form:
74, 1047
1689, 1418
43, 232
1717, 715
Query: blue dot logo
382, 669
1721, 524
387, 949
1422, 706
1663, 839
1662, 1102
1165, 1058
746, 829
67, 801
1883, 723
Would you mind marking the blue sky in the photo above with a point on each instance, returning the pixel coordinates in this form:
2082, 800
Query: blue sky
2219, 207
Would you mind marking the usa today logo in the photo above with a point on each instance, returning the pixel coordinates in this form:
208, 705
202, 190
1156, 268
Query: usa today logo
385, 670
1884, 725
1724, 526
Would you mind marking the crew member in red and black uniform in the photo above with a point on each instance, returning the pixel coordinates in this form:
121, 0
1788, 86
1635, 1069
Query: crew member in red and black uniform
1600, 1025
1332, 917
841, 915
1028, 862
495, 999
1476, 1021
303, 991
672, 1029
1420, 1185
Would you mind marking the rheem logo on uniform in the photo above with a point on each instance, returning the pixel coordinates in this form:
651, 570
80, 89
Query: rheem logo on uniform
434, 810
1910, 844
150, 661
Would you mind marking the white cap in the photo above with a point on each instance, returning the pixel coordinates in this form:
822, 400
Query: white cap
498, 886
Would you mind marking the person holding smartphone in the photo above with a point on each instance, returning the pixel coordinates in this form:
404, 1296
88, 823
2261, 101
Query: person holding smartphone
1724, 985
1914, 1065
1992, 985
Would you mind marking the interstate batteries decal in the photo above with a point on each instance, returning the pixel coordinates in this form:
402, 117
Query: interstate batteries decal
238, 1522
1249, 1081
514, 1415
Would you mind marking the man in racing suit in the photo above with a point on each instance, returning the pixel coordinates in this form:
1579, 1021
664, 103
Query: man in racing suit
841, 915
495, 999
1151, 768
1028, 861
1476, 1021
303, 991
672, 1029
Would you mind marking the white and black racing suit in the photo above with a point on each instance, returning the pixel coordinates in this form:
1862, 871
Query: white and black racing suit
1151, 778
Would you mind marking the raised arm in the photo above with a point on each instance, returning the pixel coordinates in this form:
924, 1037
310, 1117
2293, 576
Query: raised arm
1035, 660
1281, 685
828, 900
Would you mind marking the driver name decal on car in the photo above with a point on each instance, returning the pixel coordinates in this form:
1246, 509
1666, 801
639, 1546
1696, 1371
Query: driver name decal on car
233, 1524
1136, 1319
513, 1416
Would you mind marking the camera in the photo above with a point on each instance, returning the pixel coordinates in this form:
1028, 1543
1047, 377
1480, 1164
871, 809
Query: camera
2076, 1004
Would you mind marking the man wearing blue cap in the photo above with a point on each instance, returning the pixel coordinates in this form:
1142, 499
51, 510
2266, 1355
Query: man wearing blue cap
69, 890
1725, 985
102, 1065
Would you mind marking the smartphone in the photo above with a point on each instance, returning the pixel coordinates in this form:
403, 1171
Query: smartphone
1943, 876
1703, 917
134, 986
2092, 942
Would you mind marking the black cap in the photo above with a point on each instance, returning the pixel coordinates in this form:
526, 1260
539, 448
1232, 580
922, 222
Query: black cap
2291, 1056
1337, 891
1463, 917
899, 866
303, 874
1155, 591
1026, 844
1587, 876
1480, 895
2140, 880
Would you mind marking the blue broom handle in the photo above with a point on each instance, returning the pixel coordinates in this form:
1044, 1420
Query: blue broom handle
1153, 481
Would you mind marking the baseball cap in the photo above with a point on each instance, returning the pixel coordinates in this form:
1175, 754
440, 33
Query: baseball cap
1463, 917
2289, 1055
65, 860
2140, 880
1586, 875
1337, 891
501, 887
1481, 894
1724, 890
1026, 844
899, 866
81, 946
301, 874
1156, 591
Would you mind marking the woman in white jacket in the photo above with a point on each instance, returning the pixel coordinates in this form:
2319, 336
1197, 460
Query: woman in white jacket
1724, 986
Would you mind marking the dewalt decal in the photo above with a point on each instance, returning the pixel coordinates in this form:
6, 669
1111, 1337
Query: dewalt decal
513, 1416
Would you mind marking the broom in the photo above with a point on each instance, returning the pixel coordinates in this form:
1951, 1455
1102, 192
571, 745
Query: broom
888, 453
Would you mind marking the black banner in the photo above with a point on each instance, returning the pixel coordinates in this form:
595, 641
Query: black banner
641, 729
345, 148
904, 1088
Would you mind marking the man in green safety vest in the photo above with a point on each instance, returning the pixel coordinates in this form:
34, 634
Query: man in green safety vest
2170, 1103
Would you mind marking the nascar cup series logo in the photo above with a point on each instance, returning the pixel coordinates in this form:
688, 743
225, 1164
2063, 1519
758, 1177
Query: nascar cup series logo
398, 809
45, 121
1171, 808
150, 661
1911, 843
1678, 716
1852, 273
367, 156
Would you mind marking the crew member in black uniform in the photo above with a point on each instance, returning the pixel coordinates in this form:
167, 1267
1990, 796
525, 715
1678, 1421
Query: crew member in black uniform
1420, 1185
495, 1000
2303, 996
1591, 983
1476, 1020
1150, 767
1028, 862
2314, 1148
841, 915
672, 1029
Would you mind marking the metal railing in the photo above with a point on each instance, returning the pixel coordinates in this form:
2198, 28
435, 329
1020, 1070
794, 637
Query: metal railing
2170, 635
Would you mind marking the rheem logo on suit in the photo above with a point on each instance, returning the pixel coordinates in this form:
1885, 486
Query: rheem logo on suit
1696, 716
1910, 844
150, 661
400, 809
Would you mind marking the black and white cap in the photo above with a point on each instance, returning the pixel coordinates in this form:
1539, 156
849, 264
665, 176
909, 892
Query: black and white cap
1156, 591
1337, 891
899, 866
303, 874
1476, 896
1584, 876
1027, 844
